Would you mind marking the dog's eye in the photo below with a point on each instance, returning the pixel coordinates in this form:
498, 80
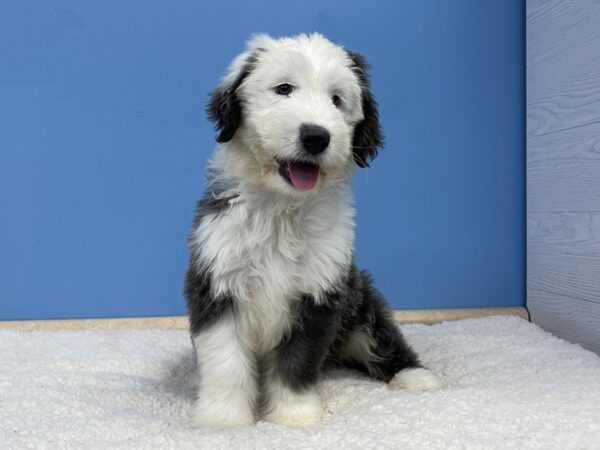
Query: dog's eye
337, 101
284, 89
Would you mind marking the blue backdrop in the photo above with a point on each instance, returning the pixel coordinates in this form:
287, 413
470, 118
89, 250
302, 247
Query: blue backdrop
103, 142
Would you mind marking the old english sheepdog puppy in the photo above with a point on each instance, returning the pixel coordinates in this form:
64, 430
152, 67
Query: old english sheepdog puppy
273, 293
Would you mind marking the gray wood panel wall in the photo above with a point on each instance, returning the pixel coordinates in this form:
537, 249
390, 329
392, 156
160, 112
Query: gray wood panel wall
563, 168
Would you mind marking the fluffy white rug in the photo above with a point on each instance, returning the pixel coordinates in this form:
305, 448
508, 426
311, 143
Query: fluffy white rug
507, 384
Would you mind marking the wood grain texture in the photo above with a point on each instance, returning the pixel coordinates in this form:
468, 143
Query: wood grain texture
576, 321
563, 167
563, 65
431, 316
427, 316
563, 171
563, 255
568, 233
141, 323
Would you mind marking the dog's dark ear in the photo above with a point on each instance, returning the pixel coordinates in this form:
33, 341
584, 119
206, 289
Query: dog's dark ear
224, 107
368, 135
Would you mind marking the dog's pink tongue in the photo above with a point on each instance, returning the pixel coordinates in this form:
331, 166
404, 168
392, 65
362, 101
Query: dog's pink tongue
304, 176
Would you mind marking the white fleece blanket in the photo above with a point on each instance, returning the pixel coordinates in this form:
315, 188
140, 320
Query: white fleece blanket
507, 384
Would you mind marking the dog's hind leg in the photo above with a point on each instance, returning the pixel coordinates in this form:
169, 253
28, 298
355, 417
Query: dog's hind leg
293, 368
377, 347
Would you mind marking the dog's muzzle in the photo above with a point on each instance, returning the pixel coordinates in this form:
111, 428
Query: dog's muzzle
302, 174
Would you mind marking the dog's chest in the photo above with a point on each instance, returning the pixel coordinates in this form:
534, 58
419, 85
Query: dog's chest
267, 259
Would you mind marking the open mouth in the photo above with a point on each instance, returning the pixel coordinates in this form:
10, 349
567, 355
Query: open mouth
300, 174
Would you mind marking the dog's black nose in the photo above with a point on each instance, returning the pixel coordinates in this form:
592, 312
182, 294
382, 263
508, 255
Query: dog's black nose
314, 138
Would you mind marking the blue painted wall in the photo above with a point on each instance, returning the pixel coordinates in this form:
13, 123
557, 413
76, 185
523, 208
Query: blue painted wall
103, 143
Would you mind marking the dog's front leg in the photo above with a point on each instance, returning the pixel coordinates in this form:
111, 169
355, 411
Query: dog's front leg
227, 391
294, 367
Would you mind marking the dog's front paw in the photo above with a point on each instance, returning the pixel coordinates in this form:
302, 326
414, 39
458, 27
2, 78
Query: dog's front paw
294, 409
415, 379
229, 410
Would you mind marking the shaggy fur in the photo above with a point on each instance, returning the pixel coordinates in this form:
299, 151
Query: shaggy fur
273, 294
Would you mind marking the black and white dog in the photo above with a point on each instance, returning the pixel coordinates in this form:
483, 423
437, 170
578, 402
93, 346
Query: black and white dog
273, 294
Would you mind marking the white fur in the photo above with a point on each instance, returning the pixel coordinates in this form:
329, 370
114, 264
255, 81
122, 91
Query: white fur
418, 379
275, 243
227, 377
297, 409
267, 250
317, 69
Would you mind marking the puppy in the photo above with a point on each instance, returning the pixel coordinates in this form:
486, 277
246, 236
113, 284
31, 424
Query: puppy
273, 294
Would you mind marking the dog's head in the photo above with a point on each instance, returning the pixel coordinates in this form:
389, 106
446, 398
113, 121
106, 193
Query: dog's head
298, 111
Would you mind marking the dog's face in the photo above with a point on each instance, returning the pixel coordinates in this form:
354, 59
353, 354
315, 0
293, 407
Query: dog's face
299, 113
